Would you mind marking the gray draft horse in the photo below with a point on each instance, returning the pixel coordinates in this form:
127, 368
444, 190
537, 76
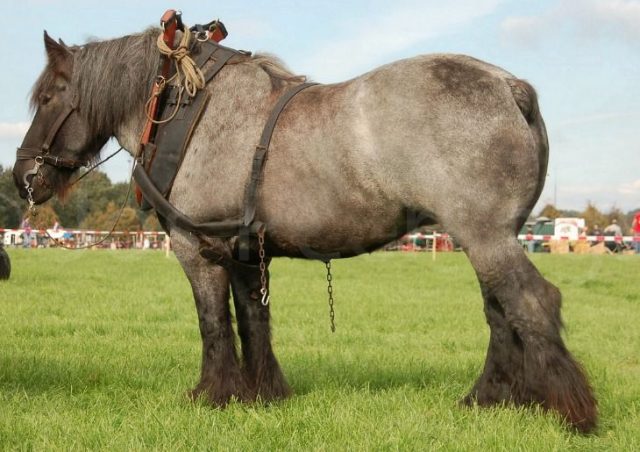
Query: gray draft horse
345, 175
5, 263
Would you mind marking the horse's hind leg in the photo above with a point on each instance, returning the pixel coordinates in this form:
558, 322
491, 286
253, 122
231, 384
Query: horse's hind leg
261, 369
220, 377
527, 361
503, 368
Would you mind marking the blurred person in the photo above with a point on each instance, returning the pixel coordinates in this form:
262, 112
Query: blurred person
26, 232
613, 230
531, 244
635, 229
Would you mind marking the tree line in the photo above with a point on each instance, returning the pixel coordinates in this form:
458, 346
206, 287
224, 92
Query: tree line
94, 203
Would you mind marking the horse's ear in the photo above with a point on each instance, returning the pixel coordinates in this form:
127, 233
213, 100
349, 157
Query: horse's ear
60, 56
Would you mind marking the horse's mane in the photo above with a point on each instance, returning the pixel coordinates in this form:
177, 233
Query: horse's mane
128, 66
276, 69
125, 66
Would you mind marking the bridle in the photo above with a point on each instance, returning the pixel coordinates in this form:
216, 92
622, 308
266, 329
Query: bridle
41, 156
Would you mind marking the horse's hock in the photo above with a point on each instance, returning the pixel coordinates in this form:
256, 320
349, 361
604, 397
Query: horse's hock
338, 180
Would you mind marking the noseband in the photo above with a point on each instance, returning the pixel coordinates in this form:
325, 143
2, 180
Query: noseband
41, 155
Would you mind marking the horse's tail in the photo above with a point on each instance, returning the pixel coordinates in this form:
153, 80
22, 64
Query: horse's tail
526, 98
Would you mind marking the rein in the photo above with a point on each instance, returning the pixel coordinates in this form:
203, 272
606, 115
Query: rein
34, 213
115, 223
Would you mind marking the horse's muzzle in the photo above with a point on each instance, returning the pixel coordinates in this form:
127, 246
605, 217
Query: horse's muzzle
17, 180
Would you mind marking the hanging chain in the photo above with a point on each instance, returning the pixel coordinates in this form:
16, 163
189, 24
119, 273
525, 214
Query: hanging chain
264, 290
35, 171
332, 314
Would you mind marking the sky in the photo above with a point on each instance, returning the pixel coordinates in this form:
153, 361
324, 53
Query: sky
582, 56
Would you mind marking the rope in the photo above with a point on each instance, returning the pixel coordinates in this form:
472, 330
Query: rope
188, 73
89, 170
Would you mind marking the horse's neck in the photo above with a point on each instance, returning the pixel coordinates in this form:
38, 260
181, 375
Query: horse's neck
129, 132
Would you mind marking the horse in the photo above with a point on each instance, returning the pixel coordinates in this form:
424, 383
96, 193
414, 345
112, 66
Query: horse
5, 264
344, 176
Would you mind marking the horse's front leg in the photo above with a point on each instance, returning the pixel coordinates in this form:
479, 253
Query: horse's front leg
261, 369
220, 377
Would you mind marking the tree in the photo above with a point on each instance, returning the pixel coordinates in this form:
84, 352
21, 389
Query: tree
550, 212
90, 197
593, 216
45, 218
11, 205
104, 220
151, 223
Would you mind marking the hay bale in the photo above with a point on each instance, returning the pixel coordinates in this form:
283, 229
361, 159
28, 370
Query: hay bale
599, 248
5, 264
559, 246
581, 247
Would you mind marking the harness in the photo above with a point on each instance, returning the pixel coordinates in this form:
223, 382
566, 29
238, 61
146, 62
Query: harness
171, 120
175, 117
41, 155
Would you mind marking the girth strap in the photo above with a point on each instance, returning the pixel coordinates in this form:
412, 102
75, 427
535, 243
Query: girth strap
251, 190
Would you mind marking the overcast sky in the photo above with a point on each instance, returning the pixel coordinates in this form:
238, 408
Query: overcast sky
583, 57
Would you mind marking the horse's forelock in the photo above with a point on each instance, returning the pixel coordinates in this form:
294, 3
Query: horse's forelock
43, 84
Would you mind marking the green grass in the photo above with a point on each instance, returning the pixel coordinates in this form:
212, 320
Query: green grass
97, 349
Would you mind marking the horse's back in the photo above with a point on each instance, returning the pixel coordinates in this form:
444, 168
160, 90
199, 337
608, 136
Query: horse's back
423, 133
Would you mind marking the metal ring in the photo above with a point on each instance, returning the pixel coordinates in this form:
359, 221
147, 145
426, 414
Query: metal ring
39, 160
202, 36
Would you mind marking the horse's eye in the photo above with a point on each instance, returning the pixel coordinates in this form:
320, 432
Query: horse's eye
45, 98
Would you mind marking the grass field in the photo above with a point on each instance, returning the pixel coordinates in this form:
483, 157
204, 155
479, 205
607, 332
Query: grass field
97, 349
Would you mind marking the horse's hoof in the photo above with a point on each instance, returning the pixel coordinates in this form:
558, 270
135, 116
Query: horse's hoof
219, 396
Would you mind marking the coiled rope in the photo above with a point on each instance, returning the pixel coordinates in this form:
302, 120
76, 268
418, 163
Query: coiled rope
188, 73
188, 76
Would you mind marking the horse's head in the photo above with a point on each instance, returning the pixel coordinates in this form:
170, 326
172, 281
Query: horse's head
59, 140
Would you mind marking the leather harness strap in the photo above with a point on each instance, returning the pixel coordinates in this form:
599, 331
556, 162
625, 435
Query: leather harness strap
222, 55
155, 181
226, 228
170, 23
251, 190
164, 156
53, 160
167, 211
43, 151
